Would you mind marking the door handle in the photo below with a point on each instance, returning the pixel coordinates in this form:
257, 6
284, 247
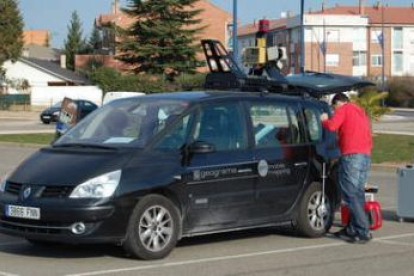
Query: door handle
301, 164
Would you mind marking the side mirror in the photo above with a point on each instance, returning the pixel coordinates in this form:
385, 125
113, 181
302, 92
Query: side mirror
201, 147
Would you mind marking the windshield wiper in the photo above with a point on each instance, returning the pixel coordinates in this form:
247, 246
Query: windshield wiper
82, 145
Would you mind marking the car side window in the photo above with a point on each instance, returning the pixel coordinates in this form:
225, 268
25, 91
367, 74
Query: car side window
177, 136
296, 135
313, 124
223, 126
271, 126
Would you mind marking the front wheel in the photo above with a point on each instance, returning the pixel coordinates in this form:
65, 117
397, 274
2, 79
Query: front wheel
315, 215
153, 228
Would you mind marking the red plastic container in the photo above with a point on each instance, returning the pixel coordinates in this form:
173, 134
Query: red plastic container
373, 211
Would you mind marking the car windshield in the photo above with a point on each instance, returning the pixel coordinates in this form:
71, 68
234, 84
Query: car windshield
124, 123
57, 105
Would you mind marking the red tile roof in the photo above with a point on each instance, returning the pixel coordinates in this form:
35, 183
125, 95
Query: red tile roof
253, 28
392, 15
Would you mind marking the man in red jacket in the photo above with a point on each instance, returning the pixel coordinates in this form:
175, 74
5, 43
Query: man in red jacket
355, 143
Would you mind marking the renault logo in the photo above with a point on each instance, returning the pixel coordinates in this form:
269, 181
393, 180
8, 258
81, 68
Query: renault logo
27, 192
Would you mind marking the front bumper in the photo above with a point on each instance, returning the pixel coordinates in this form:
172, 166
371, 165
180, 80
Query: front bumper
104, 221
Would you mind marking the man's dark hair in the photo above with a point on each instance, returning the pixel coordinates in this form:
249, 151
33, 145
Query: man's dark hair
340, 97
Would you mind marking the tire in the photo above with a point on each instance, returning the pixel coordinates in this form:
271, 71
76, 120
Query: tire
309, 221
153, 228
45, 122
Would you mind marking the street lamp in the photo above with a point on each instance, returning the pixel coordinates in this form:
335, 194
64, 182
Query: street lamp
383, 47
235, 44
302, 37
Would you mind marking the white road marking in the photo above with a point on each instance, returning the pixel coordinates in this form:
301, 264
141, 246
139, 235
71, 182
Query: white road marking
231, 257
2, 273
396, 243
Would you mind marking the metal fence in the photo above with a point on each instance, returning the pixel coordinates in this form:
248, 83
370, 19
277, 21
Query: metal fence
10, 102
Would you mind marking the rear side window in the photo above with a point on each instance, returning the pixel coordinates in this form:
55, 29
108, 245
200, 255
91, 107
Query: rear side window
223, 126
273, 126
313, 124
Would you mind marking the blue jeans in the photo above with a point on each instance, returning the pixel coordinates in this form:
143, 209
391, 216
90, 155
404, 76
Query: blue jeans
353, 174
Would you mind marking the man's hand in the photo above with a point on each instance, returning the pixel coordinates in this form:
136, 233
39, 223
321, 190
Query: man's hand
324, 117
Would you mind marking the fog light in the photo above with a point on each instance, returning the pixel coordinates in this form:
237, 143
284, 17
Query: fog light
78, 228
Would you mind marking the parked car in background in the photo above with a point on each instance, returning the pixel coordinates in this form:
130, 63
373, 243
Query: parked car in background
51, 114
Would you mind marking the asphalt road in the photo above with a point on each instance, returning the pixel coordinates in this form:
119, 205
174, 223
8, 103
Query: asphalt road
264, 252
14, 125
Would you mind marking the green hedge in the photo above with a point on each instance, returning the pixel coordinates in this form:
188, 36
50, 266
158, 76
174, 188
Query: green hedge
108, 79
8, 100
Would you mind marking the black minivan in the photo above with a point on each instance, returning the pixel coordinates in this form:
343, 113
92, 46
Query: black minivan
144, 172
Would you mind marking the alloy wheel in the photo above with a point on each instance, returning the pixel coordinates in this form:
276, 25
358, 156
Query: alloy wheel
155, 228
318, 213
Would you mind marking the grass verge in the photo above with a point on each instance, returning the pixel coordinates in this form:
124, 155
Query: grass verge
391, 148
388, 148
40, 139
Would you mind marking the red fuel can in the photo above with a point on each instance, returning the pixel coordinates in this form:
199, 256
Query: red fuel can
373, 211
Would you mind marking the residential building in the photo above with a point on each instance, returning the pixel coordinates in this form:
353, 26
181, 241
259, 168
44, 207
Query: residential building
41, 52
41, 73
216, 22
348, 40
38, 37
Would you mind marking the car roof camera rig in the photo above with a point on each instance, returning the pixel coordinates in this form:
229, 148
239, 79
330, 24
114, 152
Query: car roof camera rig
265, 73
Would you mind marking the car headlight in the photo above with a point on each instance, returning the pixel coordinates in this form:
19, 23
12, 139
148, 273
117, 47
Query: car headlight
56, 113
3, 181
98, 187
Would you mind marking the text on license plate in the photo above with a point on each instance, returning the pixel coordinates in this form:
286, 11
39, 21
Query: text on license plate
22, 212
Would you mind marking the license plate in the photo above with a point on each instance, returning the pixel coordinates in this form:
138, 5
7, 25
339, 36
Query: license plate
22, 212
46, 117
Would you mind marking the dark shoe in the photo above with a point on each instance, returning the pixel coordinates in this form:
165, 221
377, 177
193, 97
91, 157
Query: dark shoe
358, 239
344, 234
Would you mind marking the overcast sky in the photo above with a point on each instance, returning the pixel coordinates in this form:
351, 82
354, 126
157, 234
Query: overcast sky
54, 15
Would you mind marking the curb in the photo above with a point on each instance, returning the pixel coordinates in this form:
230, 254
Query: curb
386, 168
23, 145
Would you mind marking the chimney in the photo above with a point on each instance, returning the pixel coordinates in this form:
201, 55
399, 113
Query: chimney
26, 52
323, 6
63, 61
361, 7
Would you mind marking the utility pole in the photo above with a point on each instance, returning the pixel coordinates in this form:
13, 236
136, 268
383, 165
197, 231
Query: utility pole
302, 37
235, 44
383, 46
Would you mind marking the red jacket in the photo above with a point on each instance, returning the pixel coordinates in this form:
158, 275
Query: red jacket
354, 129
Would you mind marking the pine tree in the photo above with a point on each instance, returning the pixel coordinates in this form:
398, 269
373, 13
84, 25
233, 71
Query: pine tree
74, 43
11, 31
162, 41
95, 40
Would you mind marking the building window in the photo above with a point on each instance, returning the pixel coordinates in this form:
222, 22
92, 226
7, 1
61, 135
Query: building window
359, 35
359, 58
332, 36
376, 36
332, 60
376, 60
397, 38
398, 61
